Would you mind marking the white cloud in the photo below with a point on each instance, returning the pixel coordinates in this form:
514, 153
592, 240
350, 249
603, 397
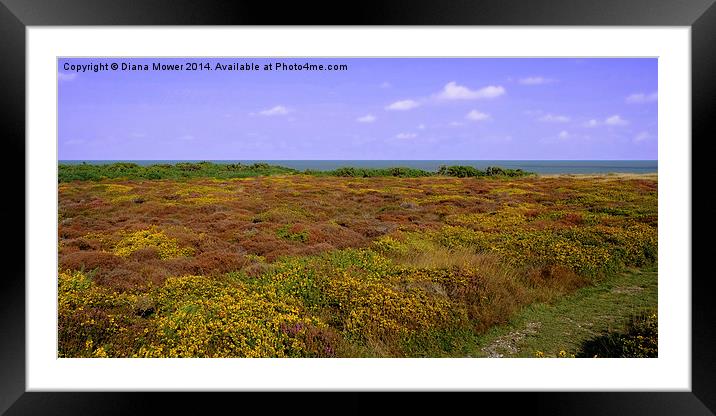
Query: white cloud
642, 136
564, 134
615, 120
421, 126
476, 115
554, 118
641, 97
278, 110
406, 135
453, 91
403, 105
386, 84
62, 76
535, 81
368, 118
456, 124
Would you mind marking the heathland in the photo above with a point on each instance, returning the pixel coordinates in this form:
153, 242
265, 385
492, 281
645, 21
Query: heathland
205, 260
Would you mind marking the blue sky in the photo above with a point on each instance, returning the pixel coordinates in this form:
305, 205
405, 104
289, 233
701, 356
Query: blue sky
379, 108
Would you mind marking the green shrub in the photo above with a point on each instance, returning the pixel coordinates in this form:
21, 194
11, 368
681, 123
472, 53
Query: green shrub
460, 171
181, 170
286, 233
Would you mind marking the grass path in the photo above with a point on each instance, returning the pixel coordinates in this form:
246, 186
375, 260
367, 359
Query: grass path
570, 321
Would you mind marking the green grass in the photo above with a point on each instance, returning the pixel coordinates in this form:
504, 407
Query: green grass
589, 313
187, 170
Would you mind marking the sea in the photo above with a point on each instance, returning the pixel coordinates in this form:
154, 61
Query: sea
537, 166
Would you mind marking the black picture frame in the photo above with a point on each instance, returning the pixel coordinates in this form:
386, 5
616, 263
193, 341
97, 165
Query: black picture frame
16, 15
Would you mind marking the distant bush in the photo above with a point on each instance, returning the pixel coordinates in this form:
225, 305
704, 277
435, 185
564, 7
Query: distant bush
400, 172
460, 171
234, 166
188, 166
352, 172
469, 171
182, 170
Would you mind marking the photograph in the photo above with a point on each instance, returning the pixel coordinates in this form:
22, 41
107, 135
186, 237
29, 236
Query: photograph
233, 197
357, 207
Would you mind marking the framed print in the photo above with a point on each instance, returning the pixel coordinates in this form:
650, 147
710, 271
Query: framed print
240, 199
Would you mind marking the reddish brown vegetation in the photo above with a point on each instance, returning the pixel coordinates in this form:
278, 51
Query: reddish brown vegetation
224, 220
